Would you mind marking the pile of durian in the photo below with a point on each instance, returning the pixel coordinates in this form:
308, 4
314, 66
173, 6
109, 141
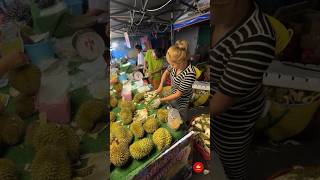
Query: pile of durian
200, 97
129, 133
201, 126
291, 96
57, 147
90, 113
133, 142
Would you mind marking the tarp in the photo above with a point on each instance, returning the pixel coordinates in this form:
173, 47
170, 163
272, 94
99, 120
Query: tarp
184, 22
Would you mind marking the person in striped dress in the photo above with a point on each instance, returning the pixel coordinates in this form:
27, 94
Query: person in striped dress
243, 47
182, 75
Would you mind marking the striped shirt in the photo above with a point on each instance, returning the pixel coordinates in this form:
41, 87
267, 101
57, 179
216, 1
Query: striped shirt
182, 82
239, 60
237, 64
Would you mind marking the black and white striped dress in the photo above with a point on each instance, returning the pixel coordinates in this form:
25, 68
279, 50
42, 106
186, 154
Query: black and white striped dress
182, 82
237, 64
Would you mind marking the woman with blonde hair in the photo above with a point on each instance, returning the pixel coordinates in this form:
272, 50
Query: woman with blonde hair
182, 75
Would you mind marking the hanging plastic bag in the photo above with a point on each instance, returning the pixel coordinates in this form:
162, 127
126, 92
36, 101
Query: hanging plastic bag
174, 119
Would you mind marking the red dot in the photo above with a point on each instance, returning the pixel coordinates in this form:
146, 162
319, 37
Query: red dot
198, 167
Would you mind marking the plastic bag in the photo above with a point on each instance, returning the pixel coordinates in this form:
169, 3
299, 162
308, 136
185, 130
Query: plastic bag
174, 119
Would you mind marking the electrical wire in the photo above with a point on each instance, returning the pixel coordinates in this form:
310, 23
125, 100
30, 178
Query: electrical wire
143, 13
157, 9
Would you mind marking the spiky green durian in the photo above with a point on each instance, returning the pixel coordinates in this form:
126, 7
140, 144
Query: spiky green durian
63, 137
51, 162
126, 116
119, 153
161, 138
138, 97
137, 129
26, 79
141, 148
151, 125
12, 129
89, 113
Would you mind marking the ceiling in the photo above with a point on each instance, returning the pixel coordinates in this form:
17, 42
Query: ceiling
139, 17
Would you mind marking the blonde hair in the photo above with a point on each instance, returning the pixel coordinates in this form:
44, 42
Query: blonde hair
182, 44
177, 55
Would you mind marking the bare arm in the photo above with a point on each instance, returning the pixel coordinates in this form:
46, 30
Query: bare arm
220, 102
164, 78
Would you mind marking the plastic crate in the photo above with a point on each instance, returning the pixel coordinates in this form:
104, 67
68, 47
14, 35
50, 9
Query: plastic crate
75, 7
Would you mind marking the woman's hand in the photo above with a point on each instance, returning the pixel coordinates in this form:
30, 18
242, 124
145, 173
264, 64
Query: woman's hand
159, 90
15, 59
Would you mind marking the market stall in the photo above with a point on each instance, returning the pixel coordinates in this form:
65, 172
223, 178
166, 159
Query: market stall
47, 127
146, 35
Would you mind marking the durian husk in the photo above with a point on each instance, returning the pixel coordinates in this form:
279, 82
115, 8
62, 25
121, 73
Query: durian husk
126, 116
119, 154
141, 148
120, 133
137, 129
26, 79
151, 125
51, 162
89, 113
138, 97
118, 87
8, 170
162, 138
25, 105
63, 137
12, 129
127, 105
113, 116
113, 102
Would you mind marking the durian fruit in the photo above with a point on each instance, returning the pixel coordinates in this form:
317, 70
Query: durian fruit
73, 144
138, 97
162, 115
113, 117
51, 162
141, 148
63, 137
12, 129
127, 105
151, 125
126, 116
8, 170
26, 79
137, 129
25, 106
120, 133
162, 138
89, 113
119, 154
118, 87
113, 101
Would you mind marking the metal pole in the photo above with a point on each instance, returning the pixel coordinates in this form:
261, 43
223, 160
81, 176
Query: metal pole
172, 31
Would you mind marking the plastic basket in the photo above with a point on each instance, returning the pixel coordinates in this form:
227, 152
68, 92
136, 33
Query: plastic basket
40, 51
